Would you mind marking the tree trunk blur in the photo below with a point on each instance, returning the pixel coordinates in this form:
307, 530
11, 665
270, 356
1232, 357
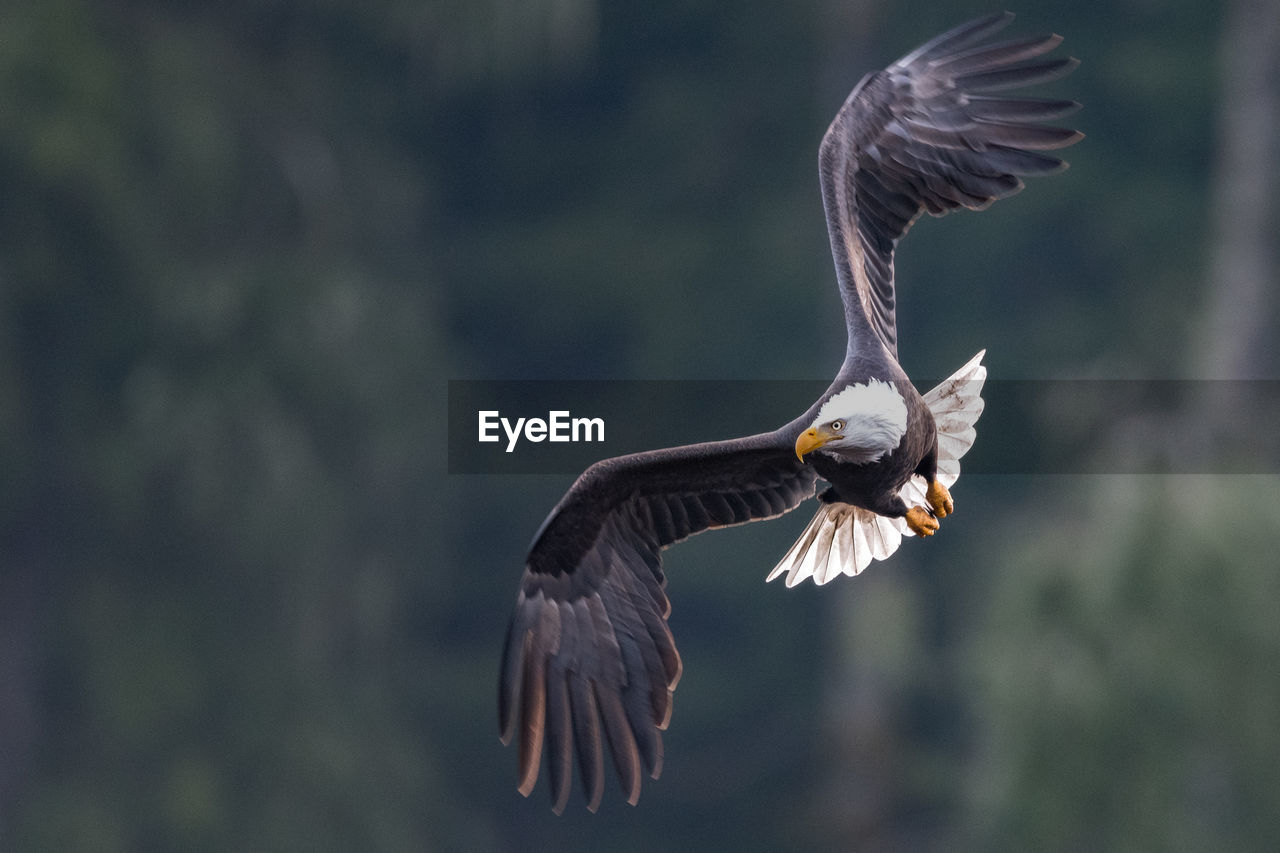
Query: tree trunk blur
1238, 340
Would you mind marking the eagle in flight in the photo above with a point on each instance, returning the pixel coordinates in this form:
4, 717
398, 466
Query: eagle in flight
589, 658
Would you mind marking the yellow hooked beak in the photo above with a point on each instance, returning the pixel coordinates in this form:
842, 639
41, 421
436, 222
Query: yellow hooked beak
811, 439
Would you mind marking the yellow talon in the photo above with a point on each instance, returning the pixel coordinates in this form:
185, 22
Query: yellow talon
921, 522
940, 499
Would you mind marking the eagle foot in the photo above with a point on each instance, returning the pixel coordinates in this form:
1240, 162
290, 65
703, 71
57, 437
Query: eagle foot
921, 522
940, 499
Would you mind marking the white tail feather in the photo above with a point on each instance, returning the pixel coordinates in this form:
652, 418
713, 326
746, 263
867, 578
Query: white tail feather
844, 539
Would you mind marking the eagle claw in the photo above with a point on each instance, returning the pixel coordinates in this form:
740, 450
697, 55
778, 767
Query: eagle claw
921, 522
940, 499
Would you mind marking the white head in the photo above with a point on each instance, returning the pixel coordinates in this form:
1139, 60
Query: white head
862, 423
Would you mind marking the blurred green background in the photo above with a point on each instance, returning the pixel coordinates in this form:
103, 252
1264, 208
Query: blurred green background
245, 245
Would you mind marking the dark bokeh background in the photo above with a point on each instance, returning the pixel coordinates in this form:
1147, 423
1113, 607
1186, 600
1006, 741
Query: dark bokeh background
244, 246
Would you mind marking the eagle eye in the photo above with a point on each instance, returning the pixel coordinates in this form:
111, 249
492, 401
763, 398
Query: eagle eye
836, 426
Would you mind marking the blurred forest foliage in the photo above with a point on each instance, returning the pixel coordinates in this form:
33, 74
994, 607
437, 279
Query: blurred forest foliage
243, 247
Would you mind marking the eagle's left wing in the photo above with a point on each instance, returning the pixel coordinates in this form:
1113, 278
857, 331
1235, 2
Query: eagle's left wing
925, 135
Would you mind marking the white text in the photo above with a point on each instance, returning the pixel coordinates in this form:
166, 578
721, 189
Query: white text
557, 427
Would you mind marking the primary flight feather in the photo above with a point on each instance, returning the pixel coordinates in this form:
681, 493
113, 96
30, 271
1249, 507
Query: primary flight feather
589, 660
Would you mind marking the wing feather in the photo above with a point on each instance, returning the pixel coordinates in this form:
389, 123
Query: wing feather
1000, 79
587, 740
978, 58
559, 724
589, 657
1019, 109
958, 39
923, 135
532, 706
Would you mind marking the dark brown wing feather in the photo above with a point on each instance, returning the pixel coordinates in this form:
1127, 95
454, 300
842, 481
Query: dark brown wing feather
589, 658
925, 135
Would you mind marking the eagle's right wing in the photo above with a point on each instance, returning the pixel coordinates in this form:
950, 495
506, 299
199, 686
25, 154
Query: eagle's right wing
589, 658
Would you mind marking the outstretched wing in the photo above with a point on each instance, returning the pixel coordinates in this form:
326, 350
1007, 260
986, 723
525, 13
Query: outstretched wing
926, 134
588, 654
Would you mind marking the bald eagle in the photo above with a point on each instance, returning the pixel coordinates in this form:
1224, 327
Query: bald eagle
589, 657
